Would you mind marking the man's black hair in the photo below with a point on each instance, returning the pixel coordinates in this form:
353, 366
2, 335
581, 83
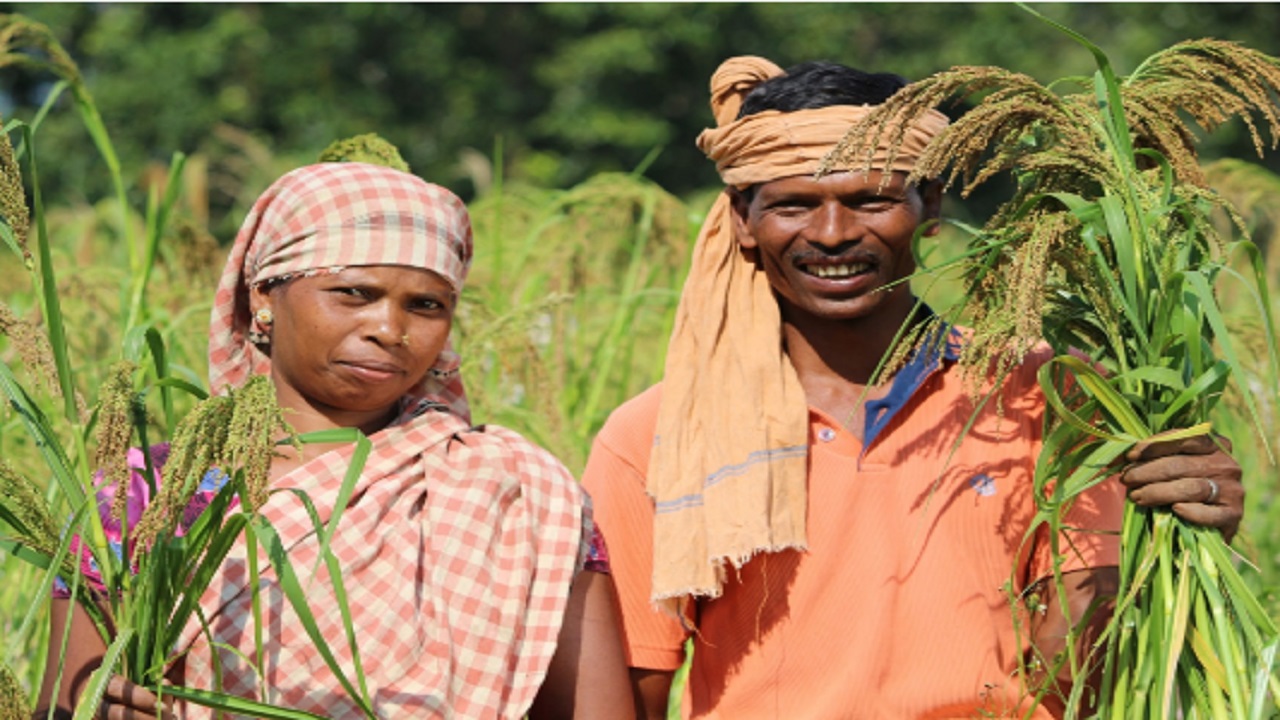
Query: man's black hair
820, 84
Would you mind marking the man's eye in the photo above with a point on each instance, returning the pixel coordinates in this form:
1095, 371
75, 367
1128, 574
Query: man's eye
788, 207
349, 292
880, 201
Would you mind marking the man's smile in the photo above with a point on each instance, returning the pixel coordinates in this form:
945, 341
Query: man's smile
837, 271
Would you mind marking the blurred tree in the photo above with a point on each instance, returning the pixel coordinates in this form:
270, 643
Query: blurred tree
566, 90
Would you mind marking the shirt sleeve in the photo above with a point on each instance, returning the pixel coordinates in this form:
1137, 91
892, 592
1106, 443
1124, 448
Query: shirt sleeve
624, 514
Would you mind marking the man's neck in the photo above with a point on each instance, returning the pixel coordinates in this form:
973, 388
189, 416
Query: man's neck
837, 359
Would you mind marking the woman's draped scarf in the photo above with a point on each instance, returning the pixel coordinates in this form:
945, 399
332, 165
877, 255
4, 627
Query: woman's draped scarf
458, 545
729, 463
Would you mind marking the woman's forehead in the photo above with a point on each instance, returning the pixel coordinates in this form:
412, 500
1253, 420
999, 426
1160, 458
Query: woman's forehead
392, 275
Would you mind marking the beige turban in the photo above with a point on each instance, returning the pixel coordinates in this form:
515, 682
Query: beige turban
728, 467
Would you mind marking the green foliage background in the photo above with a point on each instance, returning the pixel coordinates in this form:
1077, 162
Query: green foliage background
571, 89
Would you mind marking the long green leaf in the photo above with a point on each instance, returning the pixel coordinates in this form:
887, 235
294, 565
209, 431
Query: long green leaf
91, 697
6, 234
1126, 256
236, 704
1111, 401
157, 219
1262, 681
339, 587
293, 591
1200, 285
358, 458
41, 431
1054, 398
134, 341
1212, 380
48, 288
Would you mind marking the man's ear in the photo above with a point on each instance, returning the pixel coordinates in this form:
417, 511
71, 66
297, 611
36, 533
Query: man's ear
931, 197
741, 211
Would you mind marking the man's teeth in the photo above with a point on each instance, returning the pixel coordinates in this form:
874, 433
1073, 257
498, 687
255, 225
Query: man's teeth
832, 271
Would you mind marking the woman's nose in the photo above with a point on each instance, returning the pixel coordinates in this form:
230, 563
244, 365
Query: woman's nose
388, 325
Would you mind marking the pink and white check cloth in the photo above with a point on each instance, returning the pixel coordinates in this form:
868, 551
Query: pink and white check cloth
457, 550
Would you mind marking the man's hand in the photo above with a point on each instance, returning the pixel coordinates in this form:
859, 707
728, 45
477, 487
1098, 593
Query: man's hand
1195, 477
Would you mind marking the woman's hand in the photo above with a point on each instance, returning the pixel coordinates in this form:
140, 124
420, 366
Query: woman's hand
125, 701
1195, 477
122, 700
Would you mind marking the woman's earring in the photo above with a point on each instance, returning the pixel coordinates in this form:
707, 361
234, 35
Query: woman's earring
260, 332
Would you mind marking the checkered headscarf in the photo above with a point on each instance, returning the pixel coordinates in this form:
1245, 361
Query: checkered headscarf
330, 216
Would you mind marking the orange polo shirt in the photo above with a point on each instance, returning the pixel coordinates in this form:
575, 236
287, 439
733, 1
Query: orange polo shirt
899, 608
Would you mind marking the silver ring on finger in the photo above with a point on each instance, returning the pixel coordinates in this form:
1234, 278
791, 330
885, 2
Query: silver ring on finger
1213, 492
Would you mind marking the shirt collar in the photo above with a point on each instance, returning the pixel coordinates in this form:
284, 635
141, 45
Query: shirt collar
923, 363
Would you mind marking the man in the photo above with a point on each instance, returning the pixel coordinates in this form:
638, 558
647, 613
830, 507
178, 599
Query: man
826, 543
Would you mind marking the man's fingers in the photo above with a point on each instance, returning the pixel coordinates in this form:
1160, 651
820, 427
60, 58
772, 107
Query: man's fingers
1218, 465
1197, 490
1222, 517
1195, 445
1202, 501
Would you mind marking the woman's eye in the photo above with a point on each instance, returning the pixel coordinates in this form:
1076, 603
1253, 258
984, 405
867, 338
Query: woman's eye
349, 292
427, 305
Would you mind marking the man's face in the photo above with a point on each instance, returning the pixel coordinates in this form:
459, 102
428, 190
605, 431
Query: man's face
828, 246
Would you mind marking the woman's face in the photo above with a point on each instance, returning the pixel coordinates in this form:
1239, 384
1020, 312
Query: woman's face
346, 346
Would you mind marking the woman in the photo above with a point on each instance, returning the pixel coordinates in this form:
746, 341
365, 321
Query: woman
462, 547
